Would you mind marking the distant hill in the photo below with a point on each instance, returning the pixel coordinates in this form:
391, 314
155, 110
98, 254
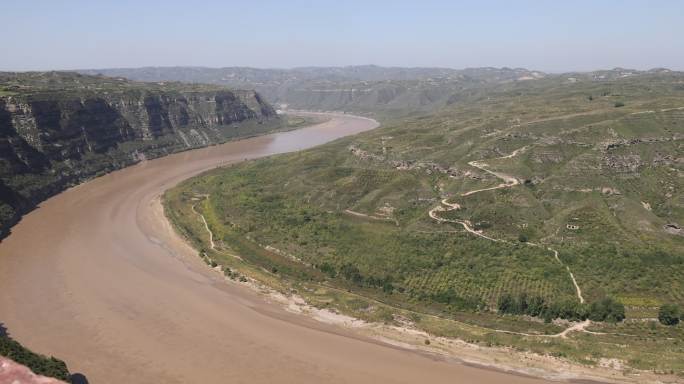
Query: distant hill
368, 89
365, 88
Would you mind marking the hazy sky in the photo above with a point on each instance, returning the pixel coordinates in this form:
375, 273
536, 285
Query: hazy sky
548, 35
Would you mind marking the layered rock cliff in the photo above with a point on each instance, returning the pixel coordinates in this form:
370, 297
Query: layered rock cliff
58, 129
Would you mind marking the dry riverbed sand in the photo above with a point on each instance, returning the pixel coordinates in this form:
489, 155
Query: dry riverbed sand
99, 278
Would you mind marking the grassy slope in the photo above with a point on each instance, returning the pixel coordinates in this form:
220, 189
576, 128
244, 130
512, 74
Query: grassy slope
586, 163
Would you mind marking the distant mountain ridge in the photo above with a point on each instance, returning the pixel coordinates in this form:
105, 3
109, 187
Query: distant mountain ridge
232, 75
362, 89
367, 88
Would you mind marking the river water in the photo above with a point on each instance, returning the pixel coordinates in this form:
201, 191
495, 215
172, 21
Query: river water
97, 277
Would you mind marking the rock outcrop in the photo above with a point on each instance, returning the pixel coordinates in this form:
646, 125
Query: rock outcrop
11, 372
59, 129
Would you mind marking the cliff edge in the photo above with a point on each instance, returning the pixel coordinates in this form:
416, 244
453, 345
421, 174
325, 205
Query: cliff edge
58, 129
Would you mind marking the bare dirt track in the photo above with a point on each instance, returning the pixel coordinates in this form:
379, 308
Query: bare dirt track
98, 278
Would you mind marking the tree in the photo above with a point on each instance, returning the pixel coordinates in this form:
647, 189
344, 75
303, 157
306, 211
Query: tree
616, 312
669, 314
522, 304
569, 310
351, 272
506, 304
328, 269
607, 309
536, 306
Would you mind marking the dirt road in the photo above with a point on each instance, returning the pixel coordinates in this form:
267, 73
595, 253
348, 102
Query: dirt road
508, 182
97, 277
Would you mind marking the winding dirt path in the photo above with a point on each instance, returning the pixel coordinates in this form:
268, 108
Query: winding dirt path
508, 182
206, 226
576, 327
572, 276
98, 277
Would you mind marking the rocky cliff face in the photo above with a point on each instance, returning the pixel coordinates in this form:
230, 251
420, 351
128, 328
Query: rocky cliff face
58, 132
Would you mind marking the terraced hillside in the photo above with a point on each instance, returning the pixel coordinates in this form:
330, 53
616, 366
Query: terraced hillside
58, 128
568, 191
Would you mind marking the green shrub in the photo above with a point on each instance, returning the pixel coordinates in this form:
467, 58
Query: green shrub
328, 269
608, 310
669, 314
39, 364
507, 304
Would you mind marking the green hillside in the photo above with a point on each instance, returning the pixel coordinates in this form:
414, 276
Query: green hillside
455, 212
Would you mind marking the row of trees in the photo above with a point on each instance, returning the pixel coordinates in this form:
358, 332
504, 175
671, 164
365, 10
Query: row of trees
456, 301
351, 272
606, 309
